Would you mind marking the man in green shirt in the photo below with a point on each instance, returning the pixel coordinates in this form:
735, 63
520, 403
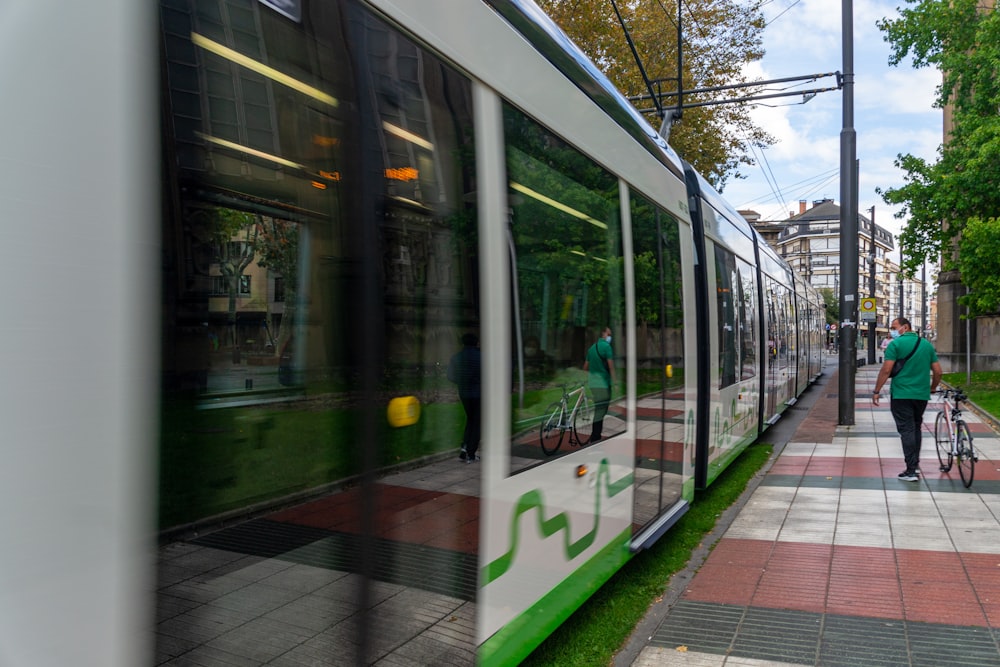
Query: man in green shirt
600, 364
917, 374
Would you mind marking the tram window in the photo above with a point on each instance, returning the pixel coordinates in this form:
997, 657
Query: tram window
728, 290
569, 281
658, 297
747, 320
330, 161
659, 315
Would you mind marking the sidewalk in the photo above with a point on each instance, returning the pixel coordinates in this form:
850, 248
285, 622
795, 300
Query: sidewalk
832, 561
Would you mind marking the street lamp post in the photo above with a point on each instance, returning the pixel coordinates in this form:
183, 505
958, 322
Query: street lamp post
871, 287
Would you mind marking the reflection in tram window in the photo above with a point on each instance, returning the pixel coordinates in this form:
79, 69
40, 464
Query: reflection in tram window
748, 313
728, 288
569, 285
307, 165
659, 474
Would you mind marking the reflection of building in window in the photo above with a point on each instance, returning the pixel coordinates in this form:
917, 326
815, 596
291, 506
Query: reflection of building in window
220, 286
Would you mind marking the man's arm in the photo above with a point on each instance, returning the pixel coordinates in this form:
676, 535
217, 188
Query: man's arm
936, 374
883, 376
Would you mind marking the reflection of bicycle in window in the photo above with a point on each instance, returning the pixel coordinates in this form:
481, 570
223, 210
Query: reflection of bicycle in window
952, 437
574, 412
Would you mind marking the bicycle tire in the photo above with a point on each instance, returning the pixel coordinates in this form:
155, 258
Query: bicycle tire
583, 420
550, 432
942, 440
966, 454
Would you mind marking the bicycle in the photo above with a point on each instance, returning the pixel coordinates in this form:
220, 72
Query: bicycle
561, 418
952, 437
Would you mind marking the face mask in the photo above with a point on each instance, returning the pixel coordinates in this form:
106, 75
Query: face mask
608, 339
894, 333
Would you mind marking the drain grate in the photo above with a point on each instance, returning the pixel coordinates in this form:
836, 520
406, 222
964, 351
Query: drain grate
808, 638
427, 568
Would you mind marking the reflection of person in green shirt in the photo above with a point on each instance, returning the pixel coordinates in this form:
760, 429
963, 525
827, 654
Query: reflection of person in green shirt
600, 364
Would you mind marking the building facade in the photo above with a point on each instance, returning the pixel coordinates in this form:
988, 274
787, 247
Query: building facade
810, 241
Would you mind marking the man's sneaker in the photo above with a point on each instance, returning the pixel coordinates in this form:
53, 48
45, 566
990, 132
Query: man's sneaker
471, 459
909, 476
463, 455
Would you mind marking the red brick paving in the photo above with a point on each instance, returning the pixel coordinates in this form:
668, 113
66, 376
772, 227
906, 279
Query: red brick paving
403, 514
926, 586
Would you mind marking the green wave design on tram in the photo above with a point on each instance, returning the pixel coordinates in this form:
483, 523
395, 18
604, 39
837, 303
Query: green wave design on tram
533, 500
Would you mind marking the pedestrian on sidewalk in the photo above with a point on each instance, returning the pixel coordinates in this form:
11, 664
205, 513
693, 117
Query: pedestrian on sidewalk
913, 365
884, 344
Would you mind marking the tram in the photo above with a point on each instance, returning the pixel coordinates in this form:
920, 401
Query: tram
250, 238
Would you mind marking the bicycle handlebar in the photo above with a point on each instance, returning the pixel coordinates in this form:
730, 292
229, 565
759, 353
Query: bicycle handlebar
957, 394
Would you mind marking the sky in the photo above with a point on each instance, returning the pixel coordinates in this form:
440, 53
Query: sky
893, 111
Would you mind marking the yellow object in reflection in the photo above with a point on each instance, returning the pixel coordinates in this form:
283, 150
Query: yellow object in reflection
670, 370
581, 471
404, 411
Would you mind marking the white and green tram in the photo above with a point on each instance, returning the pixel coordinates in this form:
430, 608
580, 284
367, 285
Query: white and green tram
245, 242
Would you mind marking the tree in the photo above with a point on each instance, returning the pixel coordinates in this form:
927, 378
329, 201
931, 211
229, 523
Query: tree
277, 248
832, 302
231, 237
720, 37
962, 188
979, 264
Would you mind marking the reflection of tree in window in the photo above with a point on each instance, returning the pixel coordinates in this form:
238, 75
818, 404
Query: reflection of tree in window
565, 225
727, 284
748, 320
658, 294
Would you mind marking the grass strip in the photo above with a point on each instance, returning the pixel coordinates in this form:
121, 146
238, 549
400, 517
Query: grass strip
603, 624
984, 390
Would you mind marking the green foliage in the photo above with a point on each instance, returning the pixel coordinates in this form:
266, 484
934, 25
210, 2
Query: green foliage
962, 39
603, 623
832, 305
979, 263
278, 249
720, 37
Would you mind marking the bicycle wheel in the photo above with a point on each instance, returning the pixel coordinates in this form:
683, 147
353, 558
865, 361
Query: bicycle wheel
583, 421
966, 454
942, 440
551, 430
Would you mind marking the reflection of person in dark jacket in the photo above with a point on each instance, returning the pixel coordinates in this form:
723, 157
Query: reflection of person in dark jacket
465, 371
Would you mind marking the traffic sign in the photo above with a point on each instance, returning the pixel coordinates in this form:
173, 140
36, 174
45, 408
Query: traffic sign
868, 306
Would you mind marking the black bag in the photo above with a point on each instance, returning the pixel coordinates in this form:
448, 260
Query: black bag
898, 366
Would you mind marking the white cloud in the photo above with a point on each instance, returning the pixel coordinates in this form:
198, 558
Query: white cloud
893, 111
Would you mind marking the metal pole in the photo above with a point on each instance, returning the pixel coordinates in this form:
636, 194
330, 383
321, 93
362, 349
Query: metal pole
902, 302
848, 228
871, 292
968, 343
923, 299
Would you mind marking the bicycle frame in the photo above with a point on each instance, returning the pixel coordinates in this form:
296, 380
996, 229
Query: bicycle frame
560, 417
952, 437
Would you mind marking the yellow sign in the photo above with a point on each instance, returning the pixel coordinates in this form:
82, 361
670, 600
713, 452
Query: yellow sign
403, 411
868, 307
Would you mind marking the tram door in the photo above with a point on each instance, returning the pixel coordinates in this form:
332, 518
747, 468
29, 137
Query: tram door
660, 413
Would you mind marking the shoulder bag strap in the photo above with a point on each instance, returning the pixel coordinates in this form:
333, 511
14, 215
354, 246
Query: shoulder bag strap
919, 340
